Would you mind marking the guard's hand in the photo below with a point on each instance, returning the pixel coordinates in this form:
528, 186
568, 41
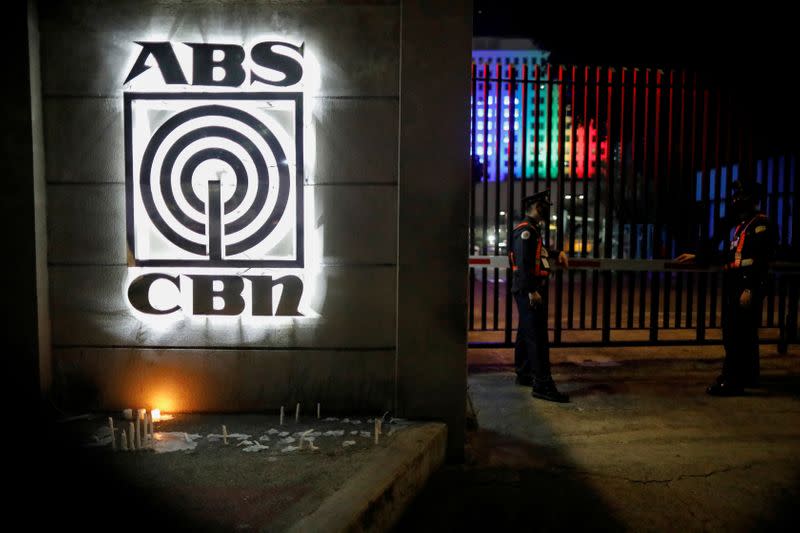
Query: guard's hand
535, 298
686, 258
563, 260
746, 298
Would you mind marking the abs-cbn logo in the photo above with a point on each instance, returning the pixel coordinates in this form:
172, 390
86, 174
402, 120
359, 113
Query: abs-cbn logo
214, 177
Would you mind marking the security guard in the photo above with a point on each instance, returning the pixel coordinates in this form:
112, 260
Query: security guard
530, 265
745, 261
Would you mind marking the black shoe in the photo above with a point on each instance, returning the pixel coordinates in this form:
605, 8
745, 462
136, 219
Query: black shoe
525, 380
725, 388
752, 381
549, 392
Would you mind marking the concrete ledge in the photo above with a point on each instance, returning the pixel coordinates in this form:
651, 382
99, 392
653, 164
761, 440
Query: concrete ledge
375, 498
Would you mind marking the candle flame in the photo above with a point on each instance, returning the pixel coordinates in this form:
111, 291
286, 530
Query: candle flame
158, 416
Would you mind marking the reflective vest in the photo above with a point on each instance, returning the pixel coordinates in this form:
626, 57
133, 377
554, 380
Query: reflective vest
541, 265
738, 244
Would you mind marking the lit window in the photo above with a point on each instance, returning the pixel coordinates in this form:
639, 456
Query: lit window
505, 126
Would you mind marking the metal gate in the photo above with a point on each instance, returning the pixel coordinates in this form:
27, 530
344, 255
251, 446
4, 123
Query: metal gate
639, 163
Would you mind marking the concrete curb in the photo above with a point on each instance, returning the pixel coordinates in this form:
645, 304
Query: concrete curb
375, 498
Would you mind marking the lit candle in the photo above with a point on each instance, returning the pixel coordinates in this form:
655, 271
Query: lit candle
224, 434
377, 429
318, 411
156, 415
124, 441
281, 415
138, 434
131, 443
297, 413
127, 414
111, 427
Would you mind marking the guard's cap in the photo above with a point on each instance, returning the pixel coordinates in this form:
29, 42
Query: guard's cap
746, 189
541, 196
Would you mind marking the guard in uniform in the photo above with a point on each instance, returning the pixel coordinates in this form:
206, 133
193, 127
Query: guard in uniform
745, 261
530, 264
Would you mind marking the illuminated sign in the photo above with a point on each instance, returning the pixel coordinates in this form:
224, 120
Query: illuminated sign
214, 178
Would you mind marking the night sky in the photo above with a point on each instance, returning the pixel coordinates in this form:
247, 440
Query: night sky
753, 51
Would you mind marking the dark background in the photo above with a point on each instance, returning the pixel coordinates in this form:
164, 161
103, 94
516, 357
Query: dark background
751, 50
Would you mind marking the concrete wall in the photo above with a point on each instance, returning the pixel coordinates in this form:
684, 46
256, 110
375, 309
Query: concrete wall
354, 357
26, 323
433, 213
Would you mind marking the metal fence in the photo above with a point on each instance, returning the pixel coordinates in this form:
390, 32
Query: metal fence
639, 163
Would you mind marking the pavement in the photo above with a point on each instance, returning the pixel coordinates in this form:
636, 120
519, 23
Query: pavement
640, 447
263, 479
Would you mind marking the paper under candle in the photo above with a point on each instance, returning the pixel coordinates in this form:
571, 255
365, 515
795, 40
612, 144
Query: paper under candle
111, 427
131, 443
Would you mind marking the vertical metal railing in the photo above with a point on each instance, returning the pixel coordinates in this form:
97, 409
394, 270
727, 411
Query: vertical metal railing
639, 163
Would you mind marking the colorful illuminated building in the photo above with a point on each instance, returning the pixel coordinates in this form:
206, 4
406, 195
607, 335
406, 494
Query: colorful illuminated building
535, 136
581, 150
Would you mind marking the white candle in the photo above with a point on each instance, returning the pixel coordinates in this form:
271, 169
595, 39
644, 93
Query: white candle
131, 443
111, 427
281, 415
377, 430
138, 434
143, 429
127, 414
147, 437
224, 434
318, 411
155, 414
124, 441
297, 413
